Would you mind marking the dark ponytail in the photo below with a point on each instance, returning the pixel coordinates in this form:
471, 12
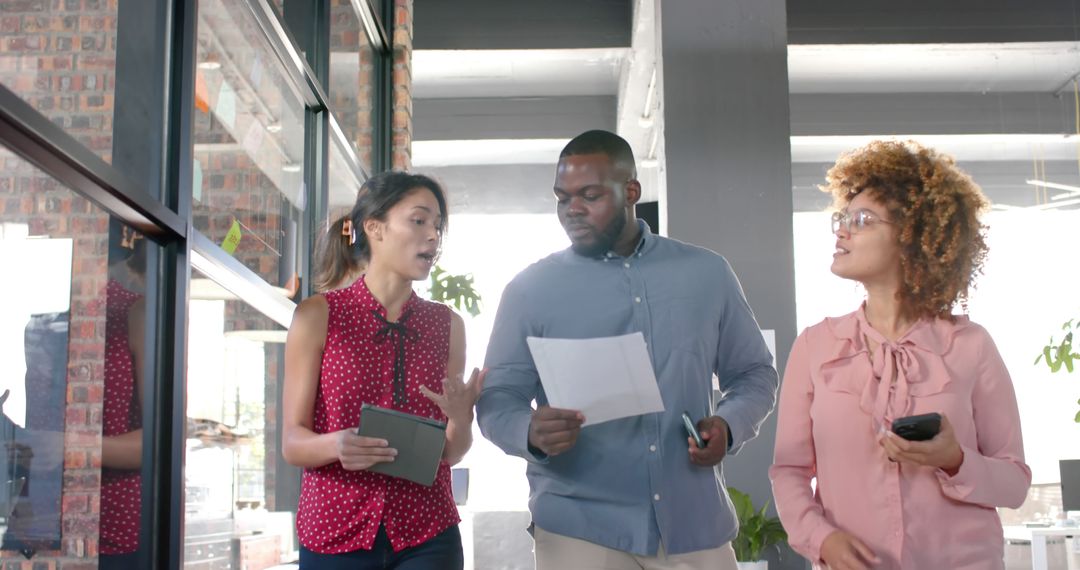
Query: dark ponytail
336, 260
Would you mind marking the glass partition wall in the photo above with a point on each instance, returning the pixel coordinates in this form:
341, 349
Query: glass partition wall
164, 168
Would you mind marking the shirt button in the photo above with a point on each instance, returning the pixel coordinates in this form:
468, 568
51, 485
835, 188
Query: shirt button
626, 265
656, 497
652, 448
637, 299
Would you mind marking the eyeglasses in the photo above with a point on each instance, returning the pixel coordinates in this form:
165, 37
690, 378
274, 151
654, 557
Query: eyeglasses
854, 222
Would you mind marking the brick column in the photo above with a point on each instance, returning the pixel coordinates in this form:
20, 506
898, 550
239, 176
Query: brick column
402, 102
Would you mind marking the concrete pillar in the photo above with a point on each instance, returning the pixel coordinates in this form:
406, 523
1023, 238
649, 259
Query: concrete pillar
728, 169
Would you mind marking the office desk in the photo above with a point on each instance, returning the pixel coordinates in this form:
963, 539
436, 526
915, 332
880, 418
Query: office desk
1037, 536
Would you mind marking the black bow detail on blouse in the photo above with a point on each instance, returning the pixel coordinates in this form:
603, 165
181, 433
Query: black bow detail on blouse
399, 331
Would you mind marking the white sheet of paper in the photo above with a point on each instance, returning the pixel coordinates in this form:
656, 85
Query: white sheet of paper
604, 378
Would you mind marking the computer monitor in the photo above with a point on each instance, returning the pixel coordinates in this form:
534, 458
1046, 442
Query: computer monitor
1070, 484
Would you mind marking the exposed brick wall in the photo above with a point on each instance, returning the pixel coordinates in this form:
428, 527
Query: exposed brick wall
49, 209
60, 56
402, 114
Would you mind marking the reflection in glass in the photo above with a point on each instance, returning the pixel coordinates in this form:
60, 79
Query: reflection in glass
71, 343
248, 193
352, 79
33, 395
232, 483
122, 435
344, 185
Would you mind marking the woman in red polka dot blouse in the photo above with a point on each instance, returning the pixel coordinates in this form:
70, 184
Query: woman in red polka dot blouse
376, 342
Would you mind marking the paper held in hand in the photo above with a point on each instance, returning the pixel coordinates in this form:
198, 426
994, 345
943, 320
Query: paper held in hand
604, 378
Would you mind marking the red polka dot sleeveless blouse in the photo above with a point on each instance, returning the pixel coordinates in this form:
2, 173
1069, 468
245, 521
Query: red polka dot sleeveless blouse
369, 361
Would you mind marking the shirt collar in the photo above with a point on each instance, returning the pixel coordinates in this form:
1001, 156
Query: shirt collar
646, 241
930, 335
369, 302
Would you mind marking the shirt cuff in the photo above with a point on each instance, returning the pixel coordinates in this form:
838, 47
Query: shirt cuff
519, 433
959, 485
736, 429
816, 539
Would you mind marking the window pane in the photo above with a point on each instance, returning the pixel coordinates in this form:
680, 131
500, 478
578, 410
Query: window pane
73, 347
60, 57
90, 67
240, 496
343, 184
249, 144
352, 78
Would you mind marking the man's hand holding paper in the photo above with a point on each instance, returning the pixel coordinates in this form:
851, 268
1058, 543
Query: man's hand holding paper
601, 378
553, 430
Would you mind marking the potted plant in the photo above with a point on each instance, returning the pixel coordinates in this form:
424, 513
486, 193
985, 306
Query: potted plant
757, 532
456, 290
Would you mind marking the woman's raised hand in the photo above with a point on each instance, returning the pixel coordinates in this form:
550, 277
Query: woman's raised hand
458, 398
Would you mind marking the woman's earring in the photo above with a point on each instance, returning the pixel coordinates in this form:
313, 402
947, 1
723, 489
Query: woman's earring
348, 231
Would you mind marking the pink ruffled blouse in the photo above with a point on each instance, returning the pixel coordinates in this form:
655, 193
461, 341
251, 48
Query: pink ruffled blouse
834, 399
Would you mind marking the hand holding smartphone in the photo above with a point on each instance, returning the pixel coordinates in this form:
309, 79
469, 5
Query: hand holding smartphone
918, 428
692, 431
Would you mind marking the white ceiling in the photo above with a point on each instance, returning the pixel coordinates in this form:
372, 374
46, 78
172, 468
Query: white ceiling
964, 148
887, 68
516, 73
486, 151
932, 68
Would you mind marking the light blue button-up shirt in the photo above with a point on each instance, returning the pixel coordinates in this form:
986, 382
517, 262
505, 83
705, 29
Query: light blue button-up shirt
629, 484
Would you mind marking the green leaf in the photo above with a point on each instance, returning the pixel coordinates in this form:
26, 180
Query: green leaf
757, 530
1077, 418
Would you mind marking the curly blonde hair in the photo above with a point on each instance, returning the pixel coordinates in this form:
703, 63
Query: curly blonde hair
935, 209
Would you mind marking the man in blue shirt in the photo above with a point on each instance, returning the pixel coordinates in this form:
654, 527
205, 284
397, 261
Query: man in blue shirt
634, 492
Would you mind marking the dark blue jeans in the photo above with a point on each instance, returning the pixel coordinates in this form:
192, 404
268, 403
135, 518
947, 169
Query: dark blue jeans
441, 552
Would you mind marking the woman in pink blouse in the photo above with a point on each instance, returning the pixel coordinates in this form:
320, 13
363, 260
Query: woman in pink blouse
375, 342
907, 229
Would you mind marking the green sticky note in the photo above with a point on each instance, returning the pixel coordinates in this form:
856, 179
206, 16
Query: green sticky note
232, 239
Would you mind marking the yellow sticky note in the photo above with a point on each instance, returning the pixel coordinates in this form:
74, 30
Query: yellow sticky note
232, 239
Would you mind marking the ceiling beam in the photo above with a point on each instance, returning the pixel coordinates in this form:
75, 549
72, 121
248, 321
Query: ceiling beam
839, 114
521, 24
932, 21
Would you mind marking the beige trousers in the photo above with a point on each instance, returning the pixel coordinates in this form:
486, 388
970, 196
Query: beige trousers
557, 552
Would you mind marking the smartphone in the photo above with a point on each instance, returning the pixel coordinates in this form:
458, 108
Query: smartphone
691, 430
918, 428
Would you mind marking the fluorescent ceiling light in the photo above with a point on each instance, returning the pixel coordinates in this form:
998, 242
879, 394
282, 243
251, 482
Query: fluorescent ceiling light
1071, 190
1052, 205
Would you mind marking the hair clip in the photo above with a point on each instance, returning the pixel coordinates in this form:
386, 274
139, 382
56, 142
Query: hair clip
348, 231
128, 237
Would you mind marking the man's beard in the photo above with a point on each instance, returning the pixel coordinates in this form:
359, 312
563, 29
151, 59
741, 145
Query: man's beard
605, 240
